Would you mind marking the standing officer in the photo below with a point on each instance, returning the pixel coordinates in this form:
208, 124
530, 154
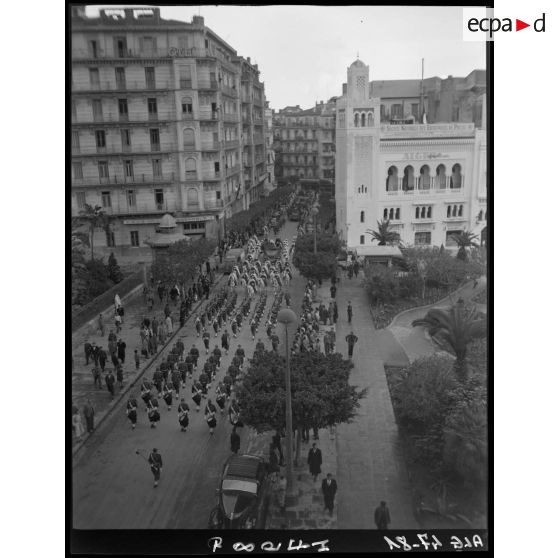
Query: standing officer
156, 462
349, 312
183, 415
132, 410
351, 340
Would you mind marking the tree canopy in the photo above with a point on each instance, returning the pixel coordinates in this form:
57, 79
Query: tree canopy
384, 233
321, 393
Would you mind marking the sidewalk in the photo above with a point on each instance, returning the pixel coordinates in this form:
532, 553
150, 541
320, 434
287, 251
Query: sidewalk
82, 379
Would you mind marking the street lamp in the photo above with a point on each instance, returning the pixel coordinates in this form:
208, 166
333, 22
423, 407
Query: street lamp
314, 211
287, 317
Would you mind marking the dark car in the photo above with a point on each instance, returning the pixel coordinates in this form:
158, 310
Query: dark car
244, 493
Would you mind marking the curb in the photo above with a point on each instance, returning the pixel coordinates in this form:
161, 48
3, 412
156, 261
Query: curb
431, 304
121, 394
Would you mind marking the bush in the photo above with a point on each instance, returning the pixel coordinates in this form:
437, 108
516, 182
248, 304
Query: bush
97, 279
113, 269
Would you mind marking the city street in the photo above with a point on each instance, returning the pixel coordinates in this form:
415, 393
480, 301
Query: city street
113, 486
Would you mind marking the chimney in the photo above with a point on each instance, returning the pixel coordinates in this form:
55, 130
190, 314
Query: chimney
197, 20
248, 60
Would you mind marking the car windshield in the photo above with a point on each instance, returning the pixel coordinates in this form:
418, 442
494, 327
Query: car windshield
236, 501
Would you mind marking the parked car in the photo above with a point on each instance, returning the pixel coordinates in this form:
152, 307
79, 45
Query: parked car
243, 495
233, 256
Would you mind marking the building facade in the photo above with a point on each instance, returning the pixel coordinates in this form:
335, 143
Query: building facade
166, 118
304, 143
428, 179
270, 153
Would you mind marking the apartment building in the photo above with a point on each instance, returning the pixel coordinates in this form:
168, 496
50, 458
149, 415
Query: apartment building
270, 153
304, 143
158, 126
429, 180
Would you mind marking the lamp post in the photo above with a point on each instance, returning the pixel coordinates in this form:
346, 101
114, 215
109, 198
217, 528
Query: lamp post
314, 211
287, 317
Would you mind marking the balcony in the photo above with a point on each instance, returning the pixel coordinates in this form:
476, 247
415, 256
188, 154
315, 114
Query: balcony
121, 207
229, 91
230, 117
436, 185
211, 145
208, 85
117, 149
171, 52
232, 170
133, 118
206, 114
213, 204
258, 138
119, 180
232, 144
185, 84
118, 85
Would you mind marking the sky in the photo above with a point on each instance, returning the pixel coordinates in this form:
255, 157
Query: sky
303, 52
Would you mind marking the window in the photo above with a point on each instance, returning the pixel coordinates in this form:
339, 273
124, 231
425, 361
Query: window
423, 238
414, 110
159, 198
397, 214
150, 77
189, 138
356, 120
120, 75
192, 197
134, 238
216, 164
75, 139
154, 138
382, 112
148, 45
105, 196
187, 106
120, 47
152, 106
456, 178
392, 180
123, 108
450, 240
391, 213
397, 110
157, 168
78, 170
80, 199
218, 194
97, 109
191, 168
110, 239
129, 168
131, 198
362, 217
423, 212
409, 179
103, 170
126, 138
185, 77
362, 239
94, 77
93, 49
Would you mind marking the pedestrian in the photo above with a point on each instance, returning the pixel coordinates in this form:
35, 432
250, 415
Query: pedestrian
183, 415
101, 325
88, 350
146, 393
273, 462
381, 516
351, 340
167, 394
335, 312
102, 359
120, 375
109, 380
234, 414
132, 410
97, 377
78, 425
89, 414
210, 415
315, 461
253, 329
349, 312
206, 336
197, 394
168, 323
329, 488
156, 462
332, 339
281, 492
121, 350
225, 341
235, 440
118, 322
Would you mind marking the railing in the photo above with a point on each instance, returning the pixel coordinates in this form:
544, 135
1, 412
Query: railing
122, 180
185, 84
171, 52
232, 170
232, 143
132, 117
120, 206
191, 175
207, 84
230, 117
211, 145
258, 138
230, 91
119, 86
117, 149
213, 204
215, 175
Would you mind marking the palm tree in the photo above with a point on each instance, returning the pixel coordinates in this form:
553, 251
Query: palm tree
384, 235
458, 326
464, 240
96, 218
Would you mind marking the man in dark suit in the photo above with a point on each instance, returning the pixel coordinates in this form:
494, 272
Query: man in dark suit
315, 461
329, 488
381, 516
156, 462
88, 349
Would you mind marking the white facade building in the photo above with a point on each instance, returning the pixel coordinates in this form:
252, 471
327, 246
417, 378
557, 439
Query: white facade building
428, 179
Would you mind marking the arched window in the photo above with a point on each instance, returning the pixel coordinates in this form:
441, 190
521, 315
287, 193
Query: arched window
441, 177
363, 120
370, 119
192, 197
460, 213
397, 214
454, 213
423, 212
362, 239
191, 168
356, 119
455, 181
417, 212
392, 180
449, 211
424, 180
385, 213
429, 212
362, 216
409, 179
391, 213
189, 138
187, 107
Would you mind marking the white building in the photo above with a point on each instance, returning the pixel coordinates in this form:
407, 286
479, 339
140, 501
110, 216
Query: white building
428, 179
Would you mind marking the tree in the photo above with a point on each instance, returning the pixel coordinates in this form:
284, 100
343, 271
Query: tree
318, 267
381, 283
96, 218
324, 243
457, 326
80, 240
384, 235
321, 393
114, 273
97, 279
464, 240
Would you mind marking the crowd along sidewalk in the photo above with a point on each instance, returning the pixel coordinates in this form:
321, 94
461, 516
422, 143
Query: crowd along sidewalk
83, 387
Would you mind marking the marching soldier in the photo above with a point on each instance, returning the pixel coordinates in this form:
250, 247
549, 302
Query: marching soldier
109, 380
132, 410
197, 394
195, 352
217, 356
204, 380
182, 370
153, 412
198, 325
146, 392
183, 415
234, 414
234, 328
215, 326
260, 347
225, 341
220, 396
206, 338
175, 379
167, 394
156, 462
227, 382
158, 381
189, 361
210, 412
